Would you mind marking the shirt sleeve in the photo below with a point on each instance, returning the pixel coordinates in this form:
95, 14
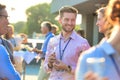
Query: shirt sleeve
7, 70
49, 51
85, 45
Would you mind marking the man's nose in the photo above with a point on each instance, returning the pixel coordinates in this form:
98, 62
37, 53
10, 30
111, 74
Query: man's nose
69, 22
97, 23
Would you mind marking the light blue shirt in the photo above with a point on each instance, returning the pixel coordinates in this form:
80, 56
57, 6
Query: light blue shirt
47, 38
102, 50
6, 68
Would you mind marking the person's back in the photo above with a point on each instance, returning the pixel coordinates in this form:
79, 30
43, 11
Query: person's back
6, 68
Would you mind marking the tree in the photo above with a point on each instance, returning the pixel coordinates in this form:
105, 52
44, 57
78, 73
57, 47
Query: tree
37, 14
20, 27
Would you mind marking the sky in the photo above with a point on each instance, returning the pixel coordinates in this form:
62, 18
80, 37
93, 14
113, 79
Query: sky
16, 8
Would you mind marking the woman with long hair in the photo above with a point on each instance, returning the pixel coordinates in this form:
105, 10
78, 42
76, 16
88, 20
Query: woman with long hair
109, 50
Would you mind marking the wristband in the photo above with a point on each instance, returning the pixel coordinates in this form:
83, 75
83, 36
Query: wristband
69, 68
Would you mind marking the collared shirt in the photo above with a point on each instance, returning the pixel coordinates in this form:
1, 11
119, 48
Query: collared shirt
6, 68
75, 46
47, 38
0, 41
8, 47
103, 50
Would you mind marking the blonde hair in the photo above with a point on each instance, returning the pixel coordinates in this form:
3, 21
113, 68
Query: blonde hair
101, 10
112, 14
113, 10
6, 36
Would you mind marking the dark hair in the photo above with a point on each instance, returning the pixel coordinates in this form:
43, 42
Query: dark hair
81, 32
101, 10
54, 27
47, 24
2, 7
67, 9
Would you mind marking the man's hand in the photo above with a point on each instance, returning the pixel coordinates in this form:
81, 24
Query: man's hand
93, 76
37, 51
59, 65
51, 60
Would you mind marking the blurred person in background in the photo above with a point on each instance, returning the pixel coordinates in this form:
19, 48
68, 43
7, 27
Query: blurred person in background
109, 49
63, 50
18, 43
81, 33
54, 29
7, 69
101, 20
46, 27
24, 38
14, 40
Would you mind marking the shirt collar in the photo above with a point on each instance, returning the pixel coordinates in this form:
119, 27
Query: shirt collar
48, 34
0, 40
108, 49
72, 36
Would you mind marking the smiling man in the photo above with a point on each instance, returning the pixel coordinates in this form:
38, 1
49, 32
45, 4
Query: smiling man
63, 50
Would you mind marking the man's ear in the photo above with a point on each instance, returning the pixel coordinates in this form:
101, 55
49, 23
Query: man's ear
59, 20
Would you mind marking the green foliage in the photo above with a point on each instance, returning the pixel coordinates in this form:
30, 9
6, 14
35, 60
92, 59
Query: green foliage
77, 27
20, 27
36, 15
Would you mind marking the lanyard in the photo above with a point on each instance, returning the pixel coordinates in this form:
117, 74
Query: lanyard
62, 53
115, 64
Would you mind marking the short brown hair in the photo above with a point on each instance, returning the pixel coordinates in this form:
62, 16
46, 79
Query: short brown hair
67, 9
2, 7
55, 27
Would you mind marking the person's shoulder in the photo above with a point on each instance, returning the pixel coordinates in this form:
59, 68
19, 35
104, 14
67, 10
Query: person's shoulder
94, 51
56, 37
51, 34
2, 50
78, 37
2, 47
81, 40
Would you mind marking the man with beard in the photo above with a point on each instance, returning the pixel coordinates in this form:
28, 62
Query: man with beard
63, 50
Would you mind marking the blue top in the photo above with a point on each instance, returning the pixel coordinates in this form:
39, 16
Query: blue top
47, 38
102, 50
6, 68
